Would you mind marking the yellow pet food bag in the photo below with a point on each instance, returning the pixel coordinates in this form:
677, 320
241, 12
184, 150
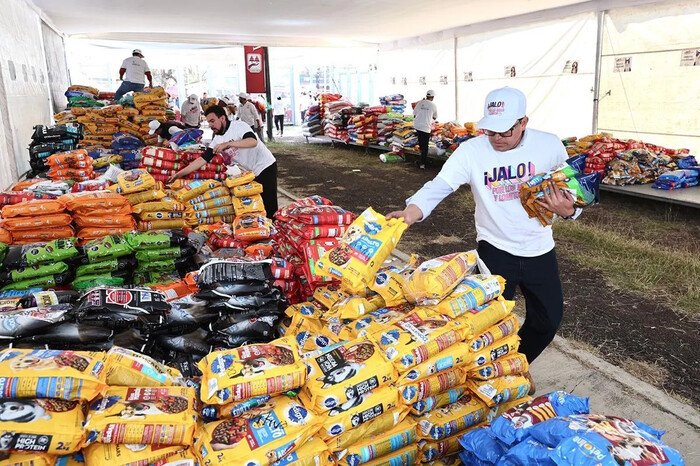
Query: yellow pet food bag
348, 371
389, 283
500, 389
41, 425
358, 411
511, 365
27, 459
455, 356
478, 320
311, 334
248, 205
328, 295
144, 415
362, 250
506, 327
164, 204
438, 383
472, 292
128, 368
431, 450
314, 452
263, 435
379, 445
194, 189
378, 320
407, 456
452, 419
131, 454
244, 178
37, 373
251, 370
354, 307
438, 401
250, 189
172, 224
499, 349
382, 423
216, 193
417, 338
433, 280
134, 181
162, 215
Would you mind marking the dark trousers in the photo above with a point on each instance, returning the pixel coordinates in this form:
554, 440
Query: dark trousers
268, 179
279, 123
423, 139
539, 282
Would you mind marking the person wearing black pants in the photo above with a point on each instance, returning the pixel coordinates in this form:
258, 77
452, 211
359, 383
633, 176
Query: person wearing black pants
510, 243
268, 179
279, 124
423, 142
539, 282
425, 114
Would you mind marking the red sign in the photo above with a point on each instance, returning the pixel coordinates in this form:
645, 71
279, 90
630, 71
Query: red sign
254, 69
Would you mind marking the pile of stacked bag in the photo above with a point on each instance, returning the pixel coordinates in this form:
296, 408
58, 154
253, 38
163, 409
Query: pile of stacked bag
558, 429
306, 229
99, 213
362, 129
34, 221
327, 104
75, 165
206, 202
638, 166
404, 137
163, 162
677, 179
81, 96
49, 140
313, 123
448, 136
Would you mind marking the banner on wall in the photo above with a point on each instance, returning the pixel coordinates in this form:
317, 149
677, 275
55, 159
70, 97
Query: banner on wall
254, 69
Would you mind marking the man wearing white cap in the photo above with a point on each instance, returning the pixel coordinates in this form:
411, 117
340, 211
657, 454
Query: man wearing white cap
165, 130
136, 70
511, 245
191, 111
425, 112
249, 114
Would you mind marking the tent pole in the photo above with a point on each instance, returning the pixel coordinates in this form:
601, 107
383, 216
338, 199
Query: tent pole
456, 83
598, 60
268, 93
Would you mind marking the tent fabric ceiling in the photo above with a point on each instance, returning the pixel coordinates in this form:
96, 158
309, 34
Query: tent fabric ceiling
276, 22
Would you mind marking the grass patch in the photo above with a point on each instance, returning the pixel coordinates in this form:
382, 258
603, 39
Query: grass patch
634, 264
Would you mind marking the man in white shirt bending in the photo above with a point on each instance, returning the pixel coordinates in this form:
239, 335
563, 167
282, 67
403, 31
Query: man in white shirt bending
136, 70
425, 112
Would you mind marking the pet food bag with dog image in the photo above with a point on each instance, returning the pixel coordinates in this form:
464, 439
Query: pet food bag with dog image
478, 320
379, 445
128, 368
438, 383
252, 370
132, 454
262, 435
347, 371
417, 338
509, 365
433, 280
363, 248
41, 425
500, 390
143, 415
39, 373
354, 307
472, 292
27, 459
438, 401
383, 423
379, 319
452, 419
389, 282
497, 350
454, 356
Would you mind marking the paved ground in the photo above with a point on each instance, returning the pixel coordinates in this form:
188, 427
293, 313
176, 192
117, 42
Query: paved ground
612, 391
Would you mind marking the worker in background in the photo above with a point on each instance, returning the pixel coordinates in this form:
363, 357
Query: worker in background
249, 114
236, 141
204, 101
166, 130
191, 111
136, 70
278, 111
425, 112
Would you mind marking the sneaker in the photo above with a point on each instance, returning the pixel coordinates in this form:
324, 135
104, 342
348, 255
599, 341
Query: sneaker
532, 383
421, 167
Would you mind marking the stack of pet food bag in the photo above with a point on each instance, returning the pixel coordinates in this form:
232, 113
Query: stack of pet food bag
100, 213
394, 103
73, 165
557, 428
151, 105
35, 221
206, 202
569, 176
313, 124
161, 162
48, 140
362, 129
306, 229
404, 137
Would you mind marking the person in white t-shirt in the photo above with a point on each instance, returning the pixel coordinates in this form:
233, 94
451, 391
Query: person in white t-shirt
248, 112
425, 112
278, 111
136, 70
191, 112
512, 245
249, 152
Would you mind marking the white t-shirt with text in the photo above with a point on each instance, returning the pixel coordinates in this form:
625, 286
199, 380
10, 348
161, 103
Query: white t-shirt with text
424, 113
256, 158
136, 68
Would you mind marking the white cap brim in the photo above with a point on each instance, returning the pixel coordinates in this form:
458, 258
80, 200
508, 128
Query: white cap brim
152, 131
498, 125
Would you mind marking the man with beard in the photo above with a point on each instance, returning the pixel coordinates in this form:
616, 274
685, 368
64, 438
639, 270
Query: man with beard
236, 141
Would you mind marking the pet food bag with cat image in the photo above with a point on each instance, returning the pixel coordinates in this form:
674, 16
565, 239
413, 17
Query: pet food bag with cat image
252, 370
364, 247
143, 415
40, 373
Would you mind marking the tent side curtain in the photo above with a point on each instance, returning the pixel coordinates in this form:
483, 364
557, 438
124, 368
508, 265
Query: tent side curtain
650, 74
57, 68
25, 94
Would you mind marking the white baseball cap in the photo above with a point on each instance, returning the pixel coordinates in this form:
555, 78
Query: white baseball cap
137, 51
243, 95
430, 93
502, 108
154, 125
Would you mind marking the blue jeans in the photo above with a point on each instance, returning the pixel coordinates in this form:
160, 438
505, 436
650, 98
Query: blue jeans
127, 86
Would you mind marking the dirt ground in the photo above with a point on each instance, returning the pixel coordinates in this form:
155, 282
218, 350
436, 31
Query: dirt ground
639, 331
